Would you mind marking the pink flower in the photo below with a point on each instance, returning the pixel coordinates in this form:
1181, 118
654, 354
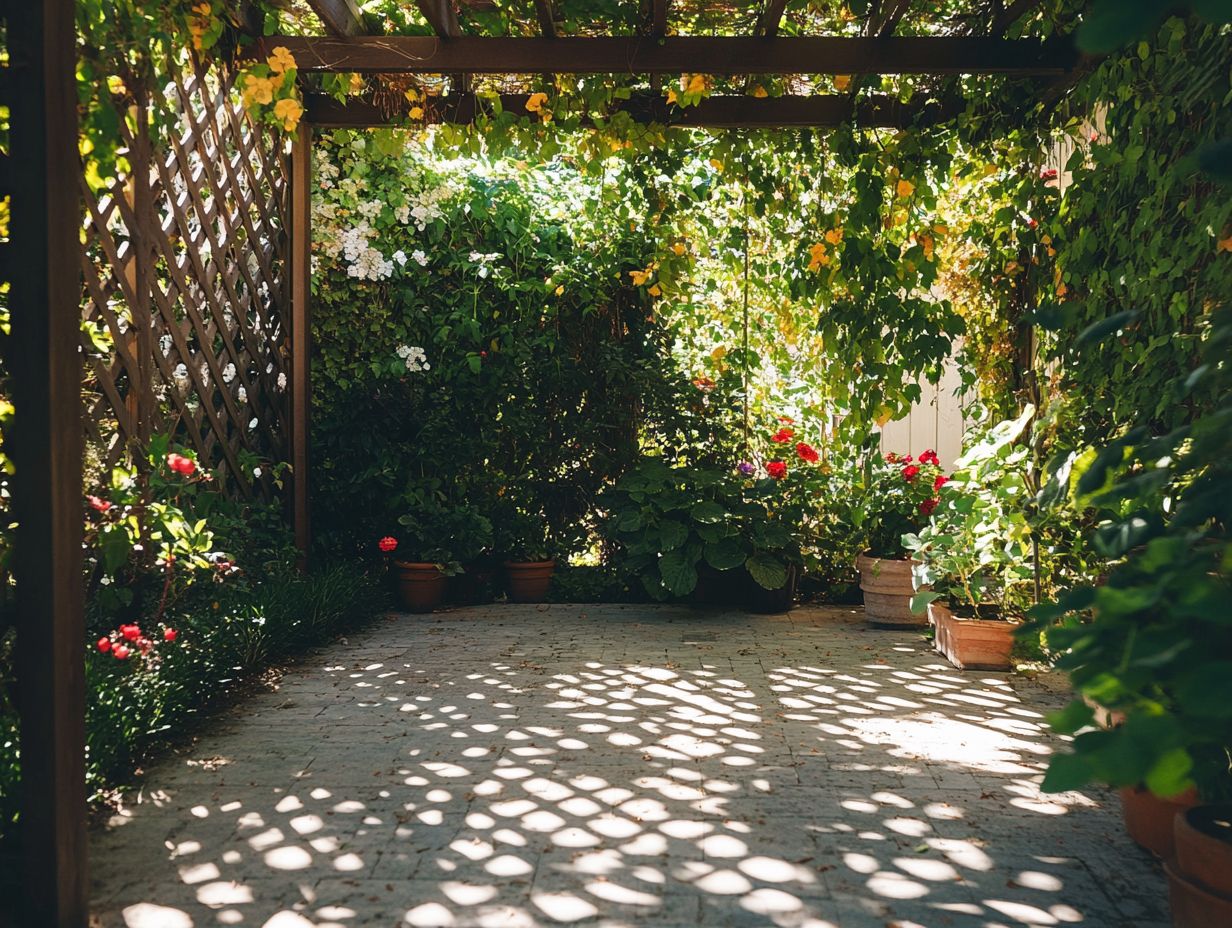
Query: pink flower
120, 652
104, 644
170, 634
100, 505
181, 464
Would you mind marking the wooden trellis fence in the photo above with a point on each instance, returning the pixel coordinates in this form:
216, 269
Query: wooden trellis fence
185, 291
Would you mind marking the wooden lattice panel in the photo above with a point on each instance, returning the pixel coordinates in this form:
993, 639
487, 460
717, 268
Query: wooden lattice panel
186, 275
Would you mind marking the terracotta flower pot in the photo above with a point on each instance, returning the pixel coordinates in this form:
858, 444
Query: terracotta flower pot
1202, 839
886, 583
1148, 818
528, 581
1192, 905
421, 586
972, 644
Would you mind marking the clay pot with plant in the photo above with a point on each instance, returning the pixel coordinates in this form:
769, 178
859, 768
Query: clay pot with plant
974, 576
894, 497
523, 542
436, 539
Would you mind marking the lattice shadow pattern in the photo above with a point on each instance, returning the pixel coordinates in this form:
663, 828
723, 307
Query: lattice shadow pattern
185, 291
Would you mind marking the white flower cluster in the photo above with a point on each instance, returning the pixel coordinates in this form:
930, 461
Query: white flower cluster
363, 261
415, 358
484, 261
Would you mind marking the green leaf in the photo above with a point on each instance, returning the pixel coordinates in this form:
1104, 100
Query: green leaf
1067, 772
1111, 24
678, 573
725, 554
767, 570
708, 512
672, 534
1169, 774
1207, 692
1098, 331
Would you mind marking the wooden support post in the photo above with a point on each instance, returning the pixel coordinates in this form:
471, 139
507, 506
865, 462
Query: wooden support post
301, 334
47, 449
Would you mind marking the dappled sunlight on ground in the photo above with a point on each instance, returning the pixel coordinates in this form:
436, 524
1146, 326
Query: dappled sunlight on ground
522, 766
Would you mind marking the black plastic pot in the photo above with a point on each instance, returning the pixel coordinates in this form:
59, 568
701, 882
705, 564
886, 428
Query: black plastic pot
760, 600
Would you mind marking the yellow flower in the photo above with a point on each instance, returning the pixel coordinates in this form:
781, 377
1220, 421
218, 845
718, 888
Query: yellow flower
289, 111
678, 249
719, 353
412, 95
926, 242
258, 89
357, 83
416, 112
834, 236
1224, 244
697, 84
281, 59
639, 277
716, 164
759, 91
940, 229
203, 9
842, 82
818, 257
905, 188
655, 291
535, 102
1011, 267
560, 290
671, 96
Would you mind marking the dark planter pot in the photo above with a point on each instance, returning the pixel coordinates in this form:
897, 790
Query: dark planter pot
475, 586
1148, 818
760, 600
1202, 840
970, 643
886, 583
421, 586
1192, 905
528, 581
715, 587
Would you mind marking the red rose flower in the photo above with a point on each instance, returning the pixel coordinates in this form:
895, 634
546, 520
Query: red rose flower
120, 652
807, 453
927, 507
782, 436
104, 644
181, 464
387, 544
101, 505
776, 469
941, 481
929, 457
170, 634
910, 472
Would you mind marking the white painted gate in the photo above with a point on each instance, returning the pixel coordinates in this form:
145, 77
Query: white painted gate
936, 421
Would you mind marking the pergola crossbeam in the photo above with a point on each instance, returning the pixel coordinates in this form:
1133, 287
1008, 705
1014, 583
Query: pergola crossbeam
720, 112
678, 54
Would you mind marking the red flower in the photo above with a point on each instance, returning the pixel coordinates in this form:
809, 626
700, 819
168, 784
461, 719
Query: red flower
776, 469
905, 459
120, 652
941, 481
1031, 223
891, 458
927, 507
130, 632
806, 453
387, 544
782, 436
181, 464
104, 644
910, 472
787, 420
1048, 174
929, 457
101, 505
169, 634
705, 384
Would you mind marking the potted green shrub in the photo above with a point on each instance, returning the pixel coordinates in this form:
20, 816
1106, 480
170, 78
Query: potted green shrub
436, 538
523, 541
973, 569
894, 497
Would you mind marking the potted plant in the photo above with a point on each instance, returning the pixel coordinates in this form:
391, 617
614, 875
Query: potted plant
974, 569
894, 497
438, 538
522, 539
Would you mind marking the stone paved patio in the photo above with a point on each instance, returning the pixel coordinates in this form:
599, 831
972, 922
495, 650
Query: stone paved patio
619, 766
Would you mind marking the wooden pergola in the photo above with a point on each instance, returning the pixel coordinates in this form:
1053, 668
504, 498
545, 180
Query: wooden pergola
44, 264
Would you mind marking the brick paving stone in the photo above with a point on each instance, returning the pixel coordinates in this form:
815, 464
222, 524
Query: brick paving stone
624, 765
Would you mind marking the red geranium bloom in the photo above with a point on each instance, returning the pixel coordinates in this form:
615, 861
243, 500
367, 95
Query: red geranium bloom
104, 644
705, 384
776, 469
927, 507
181, 464
782, 436
130, 632
929, 457
387, 544
120, 652
941, 481
170, 634
891, 458
807, 453
98, 504
910, 472
906, 459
